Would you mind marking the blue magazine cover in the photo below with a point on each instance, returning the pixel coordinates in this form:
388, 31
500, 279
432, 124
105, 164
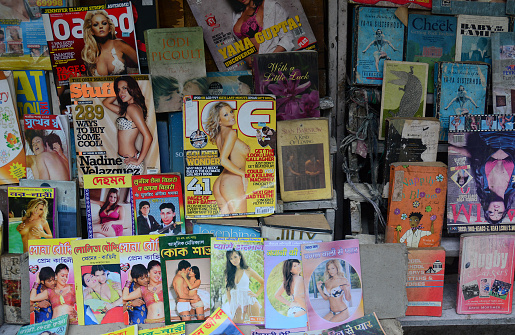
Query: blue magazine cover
378, 36
32, 95
176, 142
462, 89
483, 8
220, 230
503, 73
431, 38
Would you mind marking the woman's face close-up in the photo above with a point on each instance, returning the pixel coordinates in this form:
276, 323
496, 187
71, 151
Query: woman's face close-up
40, 210
37, 145
90, 280
332, 270
295, 268
62, 277
123, 92
155, 274
227, 117
496, 209
113, 197
171, 102
235, 259
99, 25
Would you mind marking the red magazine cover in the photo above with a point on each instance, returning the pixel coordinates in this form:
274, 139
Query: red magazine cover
90, 41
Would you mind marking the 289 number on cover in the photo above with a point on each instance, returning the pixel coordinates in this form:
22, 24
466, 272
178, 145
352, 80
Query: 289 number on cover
89, 112
200, 188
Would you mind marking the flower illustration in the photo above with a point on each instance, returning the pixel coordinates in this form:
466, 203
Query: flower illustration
416, 204
309, 104
397, 211
439, 177
422, 194
12, 139
404, 216
398, 228
5, 117
438, 190
288, 105
433, 217
429, 209
4, 156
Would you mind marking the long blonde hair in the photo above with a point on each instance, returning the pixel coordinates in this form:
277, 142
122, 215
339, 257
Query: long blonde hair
338, 266
91, 50
32, 205
212, 126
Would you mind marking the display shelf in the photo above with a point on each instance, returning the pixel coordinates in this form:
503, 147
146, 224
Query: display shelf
450, 318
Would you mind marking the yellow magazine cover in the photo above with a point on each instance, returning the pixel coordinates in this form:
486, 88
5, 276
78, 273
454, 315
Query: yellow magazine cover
132, 330
229, 144
175, 329
141, 279
52, 280
97, 272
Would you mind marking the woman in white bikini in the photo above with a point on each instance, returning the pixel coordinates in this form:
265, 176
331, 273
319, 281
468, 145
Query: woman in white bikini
337, 288
104, 54
293, 285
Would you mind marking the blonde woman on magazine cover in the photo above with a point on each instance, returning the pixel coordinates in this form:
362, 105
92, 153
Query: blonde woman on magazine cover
34, 225
337, 288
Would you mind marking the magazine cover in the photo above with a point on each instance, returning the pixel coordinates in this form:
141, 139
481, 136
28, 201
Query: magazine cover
228, 227
285, 306
460, 89
366, 325
99, 297
176, 61
230, 83
304, 159
473, 36
482, 8
57, 326
404, 91
431, 38
142, 291
233, 36
237, 283
480, 193
76, 45
32, 92
13, 270
131, 330
115, 125
293, 78
32, 216
109, 208
47, 147
12, 154
186, 266
333, 291
378, 35
175, 329
230, 163
218, 323
52, 281
158, 204
485, 270
503, 76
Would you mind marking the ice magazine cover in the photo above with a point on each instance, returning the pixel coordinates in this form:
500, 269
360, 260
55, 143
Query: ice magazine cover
22, 34
96, 265
141, 279
109, 205
52, 280
285, 305
230, 83
218, 323
32, 216
186, 269
503, 74
115, 125
12, 153
57, 326
486, 266
332, 302
275, 25
229, 160
47, 147
32, 92
175, 329
237, 284
73, 42
158, 204
480, 193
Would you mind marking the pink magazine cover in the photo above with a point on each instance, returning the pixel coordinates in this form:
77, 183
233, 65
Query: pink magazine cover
332, 282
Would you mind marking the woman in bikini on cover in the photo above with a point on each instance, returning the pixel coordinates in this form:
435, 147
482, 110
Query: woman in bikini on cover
337, 288
34, 225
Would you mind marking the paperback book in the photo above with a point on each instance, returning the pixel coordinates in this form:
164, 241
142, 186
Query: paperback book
416, 203
56, 326
242, 300
483, 8
486, 266
158, 204
404, 91
141, 279
115, 125
230, 83
503, 75
236, 180
325, 260
32, 216
32, 92
97, 263
218, 323
461, 88
131, 330
109, 205
73, 43
186, 268
293, 78
14, 268
175, 329
233, 36
304, 160
366, 325
176, 61
378, 35
47, 147
52, 280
